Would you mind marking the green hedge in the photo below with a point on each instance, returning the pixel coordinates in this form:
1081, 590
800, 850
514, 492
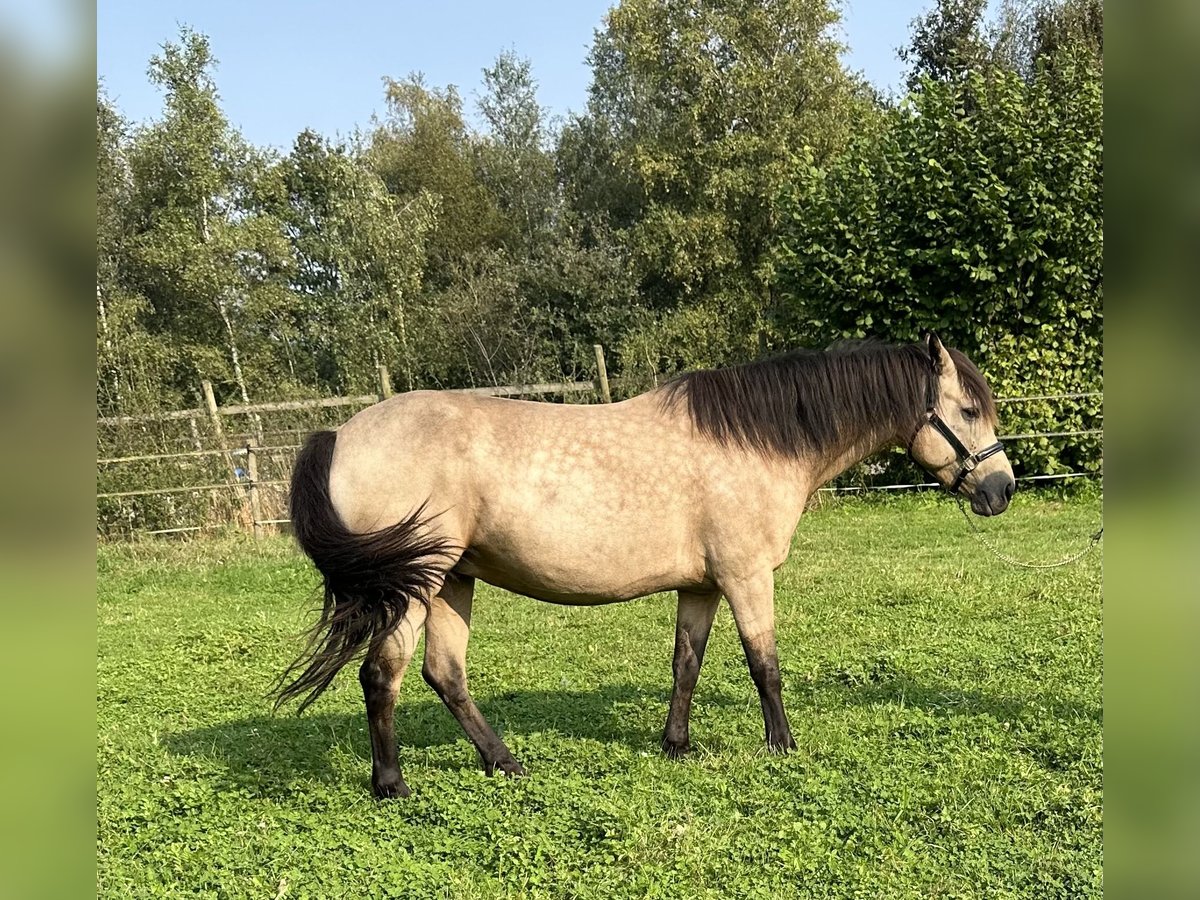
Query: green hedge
976, 212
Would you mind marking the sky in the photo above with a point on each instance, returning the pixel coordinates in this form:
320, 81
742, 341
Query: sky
286, 66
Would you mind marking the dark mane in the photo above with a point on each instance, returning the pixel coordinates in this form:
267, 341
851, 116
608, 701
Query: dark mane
810, 401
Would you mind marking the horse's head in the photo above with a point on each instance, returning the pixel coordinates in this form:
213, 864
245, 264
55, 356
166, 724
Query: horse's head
955, 440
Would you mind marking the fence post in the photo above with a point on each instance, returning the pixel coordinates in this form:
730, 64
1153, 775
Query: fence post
602, 374
197, 444
214, 416
385, 382
252, 473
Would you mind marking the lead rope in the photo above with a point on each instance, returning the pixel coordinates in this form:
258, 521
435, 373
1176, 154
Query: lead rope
999, 554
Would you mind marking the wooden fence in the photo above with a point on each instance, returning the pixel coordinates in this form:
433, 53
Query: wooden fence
256, 471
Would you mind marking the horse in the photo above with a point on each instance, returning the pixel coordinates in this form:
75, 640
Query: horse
694, 487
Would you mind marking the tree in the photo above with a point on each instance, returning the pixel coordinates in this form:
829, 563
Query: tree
357, 253
424, 145
947, 42
1032, 34
513, 161
200, 256
600, 192
381, 242
1077, 25
699, 107
128, 358
570, 281
954, 38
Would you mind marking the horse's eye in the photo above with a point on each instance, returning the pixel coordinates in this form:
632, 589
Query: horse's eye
970, 413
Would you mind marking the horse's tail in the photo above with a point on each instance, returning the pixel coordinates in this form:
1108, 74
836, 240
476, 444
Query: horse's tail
370, 578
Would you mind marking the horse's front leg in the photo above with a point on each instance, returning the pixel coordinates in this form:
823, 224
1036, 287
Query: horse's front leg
692, 626
446, 633
752, 600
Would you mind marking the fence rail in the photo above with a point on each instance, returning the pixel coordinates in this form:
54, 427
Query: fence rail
1085, 394
236, 409
238, 456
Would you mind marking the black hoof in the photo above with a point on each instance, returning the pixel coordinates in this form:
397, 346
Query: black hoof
387, 787
508, 767
676, 749
785, 744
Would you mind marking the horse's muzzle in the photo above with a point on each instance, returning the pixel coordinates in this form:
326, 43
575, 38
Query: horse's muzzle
993, 494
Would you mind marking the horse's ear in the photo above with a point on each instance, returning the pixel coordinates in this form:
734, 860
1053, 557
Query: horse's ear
931, 350
939, 357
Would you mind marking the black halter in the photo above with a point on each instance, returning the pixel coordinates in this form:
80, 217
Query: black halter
967, 461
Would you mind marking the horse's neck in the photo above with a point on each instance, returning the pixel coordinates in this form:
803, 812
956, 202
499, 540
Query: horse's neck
854, 450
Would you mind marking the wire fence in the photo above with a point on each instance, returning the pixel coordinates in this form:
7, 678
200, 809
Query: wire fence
237, 469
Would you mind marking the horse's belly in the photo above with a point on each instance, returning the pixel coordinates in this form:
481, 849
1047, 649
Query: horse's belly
581, 569
539, 587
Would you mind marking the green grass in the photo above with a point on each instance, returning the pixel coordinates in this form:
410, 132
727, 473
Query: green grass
947, 710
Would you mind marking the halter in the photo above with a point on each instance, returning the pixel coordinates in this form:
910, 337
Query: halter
967, 461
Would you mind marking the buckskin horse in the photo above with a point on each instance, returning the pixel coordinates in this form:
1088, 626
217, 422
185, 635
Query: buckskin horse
696, 487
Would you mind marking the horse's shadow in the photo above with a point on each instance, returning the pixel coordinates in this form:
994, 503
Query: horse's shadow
267, 754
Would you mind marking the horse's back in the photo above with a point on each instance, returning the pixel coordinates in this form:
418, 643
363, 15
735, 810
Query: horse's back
564, 502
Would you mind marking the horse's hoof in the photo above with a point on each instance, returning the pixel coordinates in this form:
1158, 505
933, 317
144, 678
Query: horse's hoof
676, 749
785, 744
509, 768
388, 787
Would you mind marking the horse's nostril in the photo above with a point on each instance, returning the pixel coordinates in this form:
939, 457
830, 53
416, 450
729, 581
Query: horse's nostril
1009, 490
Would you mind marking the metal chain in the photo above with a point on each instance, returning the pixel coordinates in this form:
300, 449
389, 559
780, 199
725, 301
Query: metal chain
999, 554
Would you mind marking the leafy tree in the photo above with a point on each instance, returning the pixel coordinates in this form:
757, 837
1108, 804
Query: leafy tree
301, 193
1031, 36
203, 261
955, 37
698, 107
1073, 25
569, 274
357, 253
947, 42
602, 194
128, 358
424, 145
513, 161
382, 242
482, 330
494, 192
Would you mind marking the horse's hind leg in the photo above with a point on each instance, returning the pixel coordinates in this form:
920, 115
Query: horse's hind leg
752, 600
380, 677
446, 633
692, 626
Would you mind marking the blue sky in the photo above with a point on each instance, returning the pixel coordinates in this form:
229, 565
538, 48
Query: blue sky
285, 66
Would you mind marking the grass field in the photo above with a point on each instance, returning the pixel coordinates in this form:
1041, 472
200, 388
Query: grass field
947, 710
